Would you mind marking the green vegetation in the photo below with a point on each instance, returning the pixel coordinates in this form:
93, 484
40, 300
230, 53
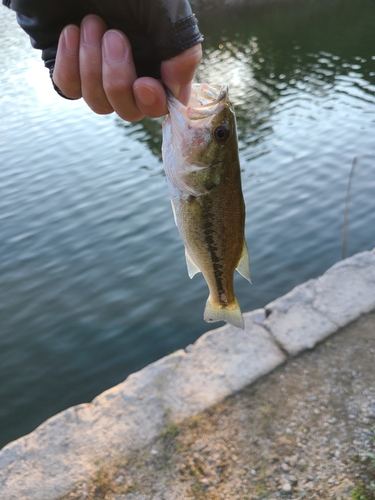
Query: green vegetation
365, 490
261, 491
169, 433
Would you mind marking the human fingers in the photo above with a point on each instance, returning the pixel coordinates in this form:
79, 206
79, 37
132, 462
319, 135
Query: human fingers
119, 75
90, 64
66, 72
177, 73
150, 97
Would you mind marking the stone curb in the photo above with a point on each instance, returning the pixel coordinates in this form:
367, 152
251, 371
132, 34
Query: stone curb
66, 449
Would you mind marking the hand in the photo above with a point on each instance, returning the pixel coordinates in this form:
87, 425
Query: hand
97, 65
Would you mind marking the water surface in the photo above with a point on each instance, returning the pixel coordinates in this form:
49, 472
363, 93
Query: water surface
93, 283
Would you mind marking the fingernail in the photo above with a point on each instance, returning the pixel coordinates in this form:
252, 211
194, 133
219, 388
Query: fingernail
114, 46
145, 95
90, 32
71, 40
175, 89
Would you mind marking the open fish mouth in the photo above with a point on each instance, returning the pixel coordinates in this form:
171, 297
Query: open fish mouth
206, 100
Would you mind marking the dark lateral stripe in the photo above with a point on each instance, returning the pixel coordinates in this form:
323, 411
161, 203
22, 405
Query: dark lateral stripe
209, 232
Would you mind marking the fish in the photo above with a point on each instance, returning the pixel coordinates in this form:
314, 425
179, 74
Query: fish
201, 163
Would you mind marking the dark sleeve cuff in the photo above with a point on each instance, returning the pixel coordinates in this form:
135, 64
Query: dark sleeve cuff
180, 36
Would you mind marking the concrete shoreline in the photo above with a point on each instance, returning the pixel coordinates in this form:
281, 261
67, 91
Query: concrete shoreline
65, 450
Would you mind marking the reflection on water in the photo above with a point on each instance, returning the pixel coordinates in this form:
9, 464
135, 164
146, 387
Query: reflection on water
93, 282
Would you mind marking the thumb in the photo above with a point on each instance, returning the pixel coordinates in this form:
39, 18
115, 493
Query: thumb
177, 73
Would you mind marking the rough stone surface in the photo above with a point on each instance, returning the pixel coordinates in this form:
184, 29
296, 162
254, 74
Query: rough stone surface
66, 448
312, 311
342, 491
302, 295
347, 289
301, 327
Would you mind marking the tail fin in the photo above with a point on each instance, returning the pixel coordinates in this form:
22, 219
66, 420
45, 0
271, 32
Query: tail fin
231, 314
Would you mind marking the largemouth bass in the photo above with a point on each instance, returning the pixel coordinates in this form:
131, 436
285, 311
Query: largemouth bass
200, 155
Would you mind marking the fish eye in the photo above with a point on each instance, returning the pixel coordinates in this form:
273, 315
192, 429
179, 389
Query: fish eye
221, 134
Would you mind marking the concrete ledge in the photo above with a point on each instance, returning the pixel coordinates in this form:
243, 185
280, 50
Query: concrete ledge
315, 309
65, 449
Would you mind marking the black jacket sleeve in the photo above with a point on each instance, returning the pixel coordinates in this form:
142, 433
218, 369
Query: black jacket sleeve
157, 29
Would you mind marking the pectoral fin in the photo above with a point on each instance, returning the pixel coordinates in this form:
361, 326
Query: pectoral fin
174, 211
244, 264
201, 181
193, 269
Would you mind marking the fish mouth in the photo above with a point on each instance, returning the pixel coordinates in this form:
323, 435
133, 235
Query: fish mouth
205, 101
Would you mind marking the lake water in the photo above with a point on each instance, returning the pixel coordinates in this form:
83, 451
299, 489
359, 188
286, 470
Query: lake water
93, 281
